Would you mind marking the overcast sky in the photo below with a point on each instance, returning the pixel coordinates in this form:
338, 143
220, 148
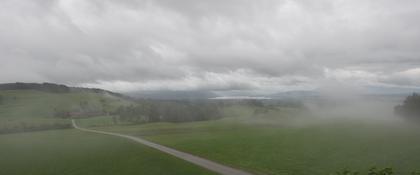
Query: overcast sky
219, 45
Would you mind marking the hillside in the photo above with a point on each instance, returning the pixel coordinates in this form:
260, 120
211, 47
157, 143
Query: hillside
24, 105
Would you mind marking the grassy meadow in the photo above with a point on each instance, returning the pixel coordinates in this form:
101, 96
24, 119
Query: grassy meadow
266, 145
270, 140
72, 152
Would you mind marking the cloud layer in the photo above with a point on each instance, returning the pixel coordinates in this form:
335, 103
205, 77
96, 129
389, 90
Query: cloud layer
267, 45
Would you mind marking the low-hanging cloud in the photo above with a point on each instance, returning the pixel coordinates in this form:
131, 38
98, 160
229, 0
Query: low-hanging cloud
268, 45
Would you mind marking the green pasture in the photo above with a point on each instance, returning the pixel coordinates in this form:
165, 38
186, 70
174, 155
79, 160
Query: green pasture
72, 152
291, 146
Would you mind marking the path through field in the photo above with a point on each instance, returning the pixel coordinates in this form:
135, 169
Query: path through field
213, 166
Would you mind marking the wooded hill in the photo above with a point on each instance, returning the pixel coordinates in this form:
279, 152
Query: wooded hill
54, 88
33, 106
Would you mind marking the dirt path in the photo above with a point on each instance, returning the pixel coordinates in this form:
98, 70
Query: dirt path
213, 166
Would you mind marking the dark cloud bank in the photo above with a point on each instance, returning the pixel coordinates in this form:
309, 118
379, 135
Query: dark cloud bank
229, 45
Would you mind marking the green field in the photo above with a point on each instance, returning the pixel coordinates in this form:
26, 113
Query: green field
70, 151
319, 147
272, 141
35, 109
79, 153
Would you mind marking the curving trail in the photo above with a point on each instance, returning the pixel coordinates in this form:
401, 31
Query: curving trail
210, 165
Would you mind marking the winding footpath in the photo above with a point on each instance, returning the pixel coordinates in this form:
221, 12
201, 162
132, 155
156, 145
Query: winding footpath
210, 165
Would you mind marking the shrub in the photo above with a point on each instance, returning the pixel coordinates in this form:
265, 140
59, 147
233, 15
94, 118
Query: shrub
372, 171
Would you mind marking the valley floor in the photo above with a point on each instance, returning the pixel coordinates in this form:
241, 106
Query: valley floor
210, 165
255, 144
319, 148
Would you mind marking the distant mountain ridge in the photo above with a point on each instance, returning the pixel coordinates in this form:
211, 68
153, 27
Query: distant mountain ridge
289, 94
173, 95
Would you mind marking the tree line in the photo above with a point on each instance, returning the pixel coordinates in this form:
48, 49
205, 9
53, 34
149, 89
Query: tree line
168, 111
56, 88
410, 109
147, 110
47, 87
372, 171
84, 109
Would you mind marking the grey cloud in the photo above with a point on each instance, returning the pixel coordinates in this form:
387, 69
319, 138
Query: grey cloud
148, 44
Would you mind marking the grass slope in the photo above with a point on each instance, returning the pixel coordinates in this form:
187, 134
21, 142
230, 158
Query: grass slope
78, 153
35, 108
38, 104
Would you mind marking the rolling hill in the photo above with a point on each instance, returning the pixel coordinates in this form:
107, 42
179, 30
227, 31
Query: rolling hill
32, 106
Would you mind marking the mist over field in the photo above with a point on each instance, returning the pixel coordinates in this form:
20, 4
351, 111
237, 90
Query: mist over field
203, 87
